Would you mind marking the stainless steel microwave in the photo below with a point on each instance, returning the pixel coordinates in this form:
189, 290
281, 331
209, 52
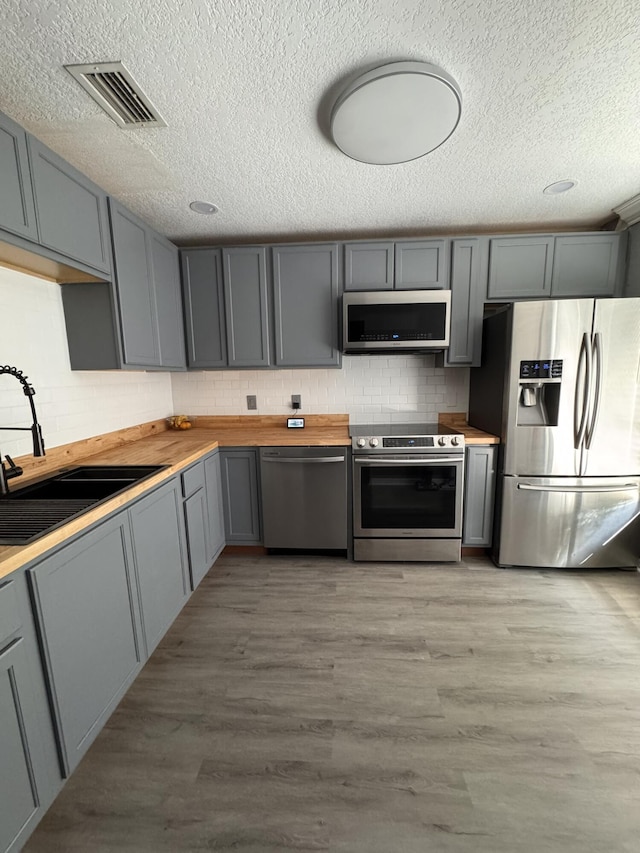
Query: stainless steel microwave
396, 320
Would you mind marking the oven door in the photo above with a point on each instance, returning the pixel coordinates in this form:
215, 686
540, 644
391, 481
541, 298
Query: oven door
408, 496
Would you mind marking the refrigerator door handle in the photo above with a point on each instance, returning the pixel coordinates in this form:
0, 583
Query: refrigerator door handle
626, 487
581, 393
597, 359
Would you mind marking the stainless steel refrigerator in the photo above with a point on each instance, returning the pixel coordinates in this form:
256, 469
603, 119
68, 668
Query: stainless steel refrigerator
559, 382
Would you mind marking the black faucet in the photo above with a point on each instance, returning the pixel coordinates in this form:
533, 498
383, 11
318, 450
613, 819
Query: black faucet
36, 431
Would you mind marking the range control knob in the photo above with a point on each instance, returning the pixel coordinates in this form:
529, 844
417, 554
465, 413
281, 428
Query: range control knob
442, 441
374, 442
455, 441
361, 442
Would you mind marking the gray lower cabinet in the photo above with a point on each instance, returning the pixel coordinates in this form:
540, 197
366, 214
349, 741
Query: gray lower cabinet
468, 290
368, 266
520, 267
160, 560
305, 305
29, 769
246, 306
479, 495
240, 495
196, 522
17, 210
88, 617
71, 210
215, 512
203, 294
421, 264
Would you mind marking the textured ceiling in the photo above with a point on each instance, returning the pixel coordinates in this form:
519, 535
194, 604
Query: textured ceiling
550, 91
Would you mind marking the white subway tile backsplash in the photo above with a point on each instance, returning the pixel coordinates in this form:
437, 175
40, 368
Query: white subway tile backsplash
71, 405
368, 388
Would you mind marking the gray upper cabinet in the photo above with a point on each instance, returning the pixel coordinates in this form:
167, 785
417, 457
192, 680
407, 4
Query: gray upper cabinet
421, 265
240, 494
246, 306
89, 620
138, 313
479, 492
520, 267
71, 210
203, 293
305, 303
586, 265
368, 266
160, 559
166, 278
17, 211
468, 284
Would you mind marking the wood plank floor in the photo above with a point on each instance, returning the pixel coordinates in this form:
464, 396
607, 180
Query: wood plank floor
316, 704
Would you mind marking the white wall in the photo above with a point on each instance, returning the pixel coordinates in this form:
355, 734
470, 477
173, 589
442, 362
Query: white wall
368, 388
70, 405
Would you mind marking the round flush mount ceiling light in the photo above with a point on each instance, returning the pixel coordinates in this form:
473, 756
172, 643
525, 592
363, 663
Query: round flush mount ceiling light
559, 187
204, 207
396, 113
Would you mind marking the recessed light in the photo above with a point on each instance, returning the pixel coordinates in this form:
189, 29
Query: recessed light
559, 187
203, 207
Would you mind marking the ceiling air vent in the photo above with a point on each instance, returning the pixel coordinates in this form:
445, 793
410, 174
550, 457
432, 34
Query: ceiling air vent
112, 86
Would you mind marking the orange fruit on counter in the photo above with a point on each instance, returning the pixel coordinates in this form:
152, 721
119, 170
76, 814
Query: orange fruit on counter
185, 425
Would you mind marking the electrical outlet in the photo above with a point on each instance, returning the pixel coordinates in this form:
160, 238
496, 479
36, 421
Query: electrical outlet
252, 401
296, 401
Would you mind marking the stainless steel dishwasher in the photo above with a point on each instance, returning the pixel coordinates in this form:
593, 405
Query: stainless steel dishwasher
304, 497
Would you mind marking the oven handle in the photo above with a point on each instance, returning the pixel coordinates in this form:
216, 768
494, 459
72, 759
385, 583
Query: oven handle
377, 460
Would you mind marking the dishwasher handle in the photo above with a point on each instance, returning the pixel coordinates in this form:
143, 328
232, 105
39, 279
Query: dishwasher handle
303, 460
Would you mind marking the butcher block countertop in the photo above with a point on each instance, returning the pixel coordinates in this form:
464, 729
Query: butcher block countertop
457, 421
153, 444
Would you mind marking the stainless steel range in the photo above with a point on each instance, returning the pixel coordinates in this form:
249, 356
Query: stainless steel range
407, 492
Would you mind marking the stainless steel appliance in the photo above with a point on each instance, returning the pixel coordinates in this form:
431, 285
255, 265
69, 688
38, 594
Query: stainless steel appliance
304, 497
559, 383
392, 321
407, 492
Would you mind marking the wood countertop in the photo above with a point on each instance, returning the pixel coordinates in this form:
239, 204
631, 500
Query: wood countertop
175, 448
457, 421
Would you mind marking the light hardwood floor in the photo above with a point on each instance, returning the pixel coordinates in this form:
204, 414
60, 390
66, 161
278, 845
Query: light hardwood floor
316, 704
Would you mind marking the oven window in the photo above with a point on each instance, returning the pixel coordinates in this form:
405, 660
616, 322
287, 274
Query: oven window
410, 497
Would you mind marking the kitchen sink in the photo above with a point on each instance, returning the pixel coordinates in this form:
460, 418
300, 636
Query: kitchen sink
31, 512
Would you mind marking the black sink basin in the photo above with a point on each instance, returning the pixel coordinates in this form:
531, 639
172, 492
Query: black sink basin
27, 514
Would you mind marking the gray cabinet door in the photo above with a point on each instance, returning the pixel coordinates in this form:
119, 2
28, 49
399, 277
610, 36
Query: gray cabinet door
70, 209
136, 297
368, 266
585, 265
421, 265
239, 469
305, 296
87, 609
479, 494
468, 290
213, 486
246, 306
195, 513
160, 560
203, 293
520, 267
20, 798
17, 211
166, 281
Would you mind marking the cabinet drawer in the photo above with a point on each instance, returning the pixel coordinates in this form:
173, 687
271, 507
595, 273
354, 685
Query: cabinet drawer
193, 479
9, 611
